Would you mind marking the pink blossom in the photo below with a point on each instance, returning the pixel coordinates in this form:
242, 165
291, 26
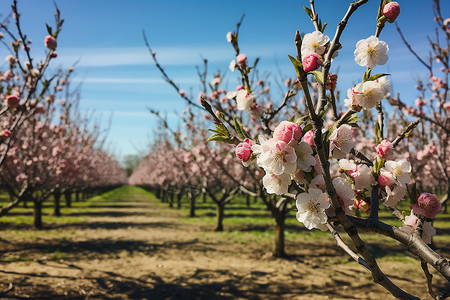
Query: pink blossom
428, 205
384, 180
311, 62
420, 102
12, 101
309, 138
391, 11
362, 205
384, 149
244, 150
216, 81
342, 138
241, 59
240, 87
50, 42
288, 132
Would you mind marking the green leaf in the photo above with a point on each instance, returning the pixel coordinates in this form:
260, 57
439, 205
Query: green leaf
292, 119
297, 65
366, 75
323, 27
49, 29
307, 128
240, 129
302, 120
309, 12
376, 76
217, 137
318, 76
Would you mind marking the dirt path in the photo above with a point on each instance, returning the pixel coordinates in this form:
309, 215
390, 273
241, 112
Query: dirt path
133, 248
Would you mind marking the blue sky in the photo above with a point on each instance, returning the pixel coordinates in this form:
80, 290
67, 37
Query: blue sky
118, 76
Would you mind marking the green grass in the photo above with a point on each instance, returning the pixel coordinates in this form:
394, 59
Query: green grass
242, 224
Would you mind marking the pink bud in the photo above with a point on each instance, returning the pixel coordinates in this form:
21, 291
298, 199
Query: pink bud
311, 62
241, 59
384, 149
391, 11
182, 93
240, 87
50, 42
12, 101
54, 54
6, 133
288, 132
385, 180
244, 150
428, 205
309, 138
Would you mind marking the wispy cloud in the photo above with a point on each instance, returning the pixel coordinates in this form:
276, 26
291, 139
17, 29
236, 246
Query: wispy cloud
168, 56
127, 80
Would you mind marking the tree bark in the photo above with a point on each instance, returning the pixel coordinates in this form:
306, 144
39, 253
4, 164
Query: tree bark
278, 250
68, 198
192, 207
220, 215
179, 196
56, 203
37, 214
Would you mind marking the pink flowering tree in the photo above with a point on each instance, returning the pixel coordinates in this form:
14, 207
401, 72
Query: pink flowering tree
313, 159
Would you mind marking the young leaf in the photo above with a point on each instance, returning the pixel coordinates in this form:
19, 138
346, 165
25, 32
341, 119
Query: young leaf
297, 65
366, 75
309, 12
376, 76
240, 129
318, 76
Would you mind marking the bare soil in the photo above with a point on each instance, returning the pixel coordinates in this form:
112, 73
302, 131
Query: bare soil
137, 249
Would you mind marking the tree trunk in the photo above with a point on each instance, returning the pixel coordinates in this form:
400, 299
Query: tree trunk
204, 197
247, 200
220, 215
278, 250
77, 196
37, 213
192, 208
171, 200
68, 198
179, 196
56, 202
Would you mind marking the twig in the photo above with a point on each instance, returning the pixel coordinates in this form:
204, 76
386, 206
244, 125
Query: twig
405, 132
346, 248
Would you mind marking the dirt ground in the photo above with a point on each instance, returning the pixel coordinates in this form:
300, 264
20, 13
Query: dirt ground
136, 249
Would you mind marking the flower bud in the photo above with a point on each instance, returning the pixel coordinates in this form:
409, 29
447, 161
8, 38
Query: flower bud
384, 149
391, 11
50, 42
12, 101
311, 62
288, 132
428, 205
244, 150
182, 93
241, 59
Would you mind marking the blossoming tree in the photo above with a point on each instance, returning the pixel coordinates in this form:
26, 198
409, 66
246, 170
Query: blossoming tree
313, 159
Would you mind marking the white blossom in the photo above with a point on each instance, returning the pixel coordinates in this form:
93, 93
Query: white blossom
276, 157
314, 42
363, 177
345, 192
371, 52
397, 170
232, 65
394, 196
305, 159
342, 138
244, 100
276, 184
311, 208
368, 94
